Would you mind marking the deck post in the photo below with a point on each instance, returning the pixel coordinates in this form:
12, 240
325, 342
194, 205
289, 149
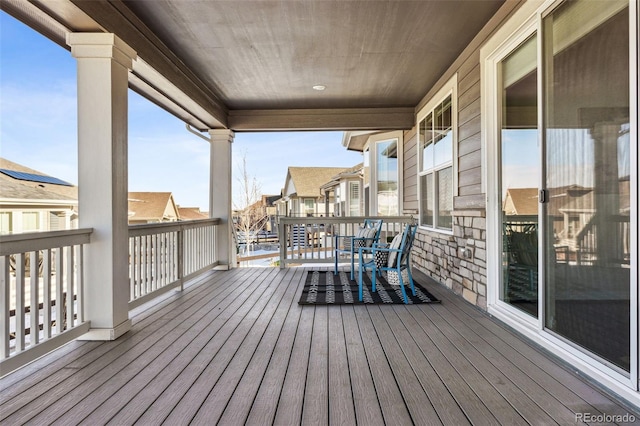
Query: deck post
220, 195
103, 67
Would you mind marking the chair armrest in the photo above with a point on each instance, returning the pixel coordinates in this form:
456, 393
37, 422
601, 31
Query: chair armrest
363, 249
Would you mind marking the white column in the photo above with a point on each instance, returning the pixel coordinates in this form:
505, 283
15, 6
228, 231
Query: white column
104, 62
220, 178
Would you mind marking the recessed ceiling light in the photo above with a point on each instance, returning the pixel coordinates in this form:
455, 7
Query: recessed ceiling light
319, 87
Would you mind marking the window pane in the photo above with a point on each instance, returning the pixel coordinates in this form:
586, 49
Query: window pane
588, 169
443, 152
445, 198
30, 221
426, 143
387, 178
5, 223
426, 199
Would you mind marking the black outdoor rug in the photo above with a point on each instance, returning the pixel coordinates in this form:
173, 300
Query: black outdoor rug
325, 288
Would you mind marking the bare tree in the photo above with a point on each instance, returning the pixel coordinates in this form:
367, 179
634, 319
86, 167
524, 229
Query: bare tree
248, 210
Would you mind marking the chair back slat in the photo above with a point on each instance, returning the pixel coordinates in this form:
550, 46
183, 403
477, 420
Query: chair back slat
407, 242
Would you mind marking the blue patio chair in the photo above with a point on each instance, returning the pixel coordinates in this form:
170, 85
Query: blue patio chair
399, 260
366, 236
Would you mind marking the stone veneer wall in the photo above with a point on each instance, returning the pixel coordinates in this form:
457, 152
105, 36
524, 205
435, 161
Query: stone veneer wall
440, 256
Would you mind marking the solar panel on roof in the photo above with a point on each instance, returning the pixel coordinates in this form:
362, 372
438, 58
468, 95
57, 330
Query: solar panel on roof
31, 177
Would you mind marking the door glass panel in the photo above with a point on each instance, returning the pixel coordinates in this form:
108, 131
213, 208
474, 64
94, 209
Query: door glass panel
588, 168
519, 177
426, 198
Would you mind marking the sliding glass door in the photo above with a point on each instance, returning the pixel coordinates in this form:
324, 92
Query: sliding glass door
587, 159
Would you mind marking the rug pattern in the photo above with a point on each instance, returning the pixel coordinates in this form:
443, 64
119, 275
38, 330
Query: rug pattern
325, 288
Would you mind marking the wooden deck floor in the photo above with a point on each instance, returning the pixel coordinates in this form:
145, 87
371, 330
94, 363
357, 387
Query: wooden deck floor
236, 348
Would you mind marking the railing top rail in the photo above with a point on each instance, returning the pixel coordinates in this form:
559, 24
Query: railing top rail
154, 228
22, 243
347, 219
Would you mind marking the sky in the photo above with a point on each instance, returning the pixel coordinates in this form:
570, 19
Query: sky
38, 129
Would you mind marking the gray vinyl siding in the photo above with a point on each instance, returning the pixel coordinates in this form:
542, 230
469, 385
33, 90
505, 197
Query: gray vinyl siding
470, 194
438, 254
410, 172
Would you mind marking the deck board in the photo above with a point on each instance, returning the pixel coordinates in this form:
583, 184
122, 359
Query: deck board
590, 399
365, 399
341, 406
235, 348
390, 398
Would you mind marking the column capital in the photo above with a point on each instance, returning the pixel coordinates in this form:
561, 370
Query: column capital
101, 46
222, 135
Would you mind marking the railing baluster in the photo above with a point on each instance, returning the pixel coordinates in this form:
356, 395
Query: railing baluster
140, 266
5, 308
132, 275
59, 290
34, 314
156, 262
20, 324
70, 273
46, 294
80, 284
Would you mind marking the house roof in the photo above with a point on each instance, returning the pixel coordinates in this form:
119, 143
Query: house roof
191, 213
353, 172
150, 205
16, 190
308, 180
11, 187
524, 200
251, 65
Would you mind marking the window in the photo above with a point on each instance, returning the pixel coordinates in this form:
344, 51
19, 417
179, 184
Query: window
387, 177
436, 175
6, 224
354, 198
309, 205
30, 221
382, 174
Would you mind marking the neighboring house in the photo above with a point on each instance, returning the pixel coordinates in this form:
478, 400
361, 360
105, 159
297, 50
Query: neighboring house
191, 213
382, 175
152, 207
521, 202
267, 212
301, 195
345, 189
31, 201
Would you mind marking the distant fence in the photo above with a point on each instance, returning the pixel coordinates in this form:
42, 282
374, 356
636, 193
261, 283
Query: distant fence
311, 239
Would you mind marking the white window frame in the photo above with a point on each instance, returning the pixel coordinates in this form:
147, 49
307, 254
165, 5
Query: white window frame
450, 88
526, 21
372, 148
350, 185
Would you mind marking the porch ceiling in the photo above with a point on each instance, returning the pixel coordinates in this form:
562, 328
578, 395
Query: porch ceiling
251, 65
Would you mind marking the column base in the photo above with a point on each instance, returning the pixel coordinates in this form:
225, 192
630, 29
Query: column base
107, 333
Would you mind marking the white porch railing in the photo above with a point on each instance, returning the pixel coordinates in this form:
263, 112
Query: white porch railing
162, 256
41, 303
311, 239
